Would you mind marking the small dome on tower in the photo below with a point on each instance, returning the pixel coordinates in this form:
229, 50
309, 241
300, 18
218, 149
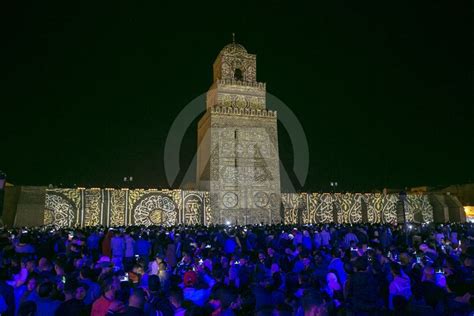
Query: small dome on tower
233, 48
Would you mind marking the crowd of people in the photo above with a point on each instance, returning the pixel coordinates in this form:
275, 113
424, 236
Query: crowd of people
325, 269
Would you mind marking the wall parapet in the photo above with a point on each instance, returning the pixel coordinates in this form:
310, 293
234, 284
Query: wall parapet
229, 110
232, 82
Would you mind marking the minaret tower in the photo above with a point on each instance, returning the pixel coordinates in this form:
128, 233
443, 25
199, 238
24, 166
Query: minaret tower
238, 161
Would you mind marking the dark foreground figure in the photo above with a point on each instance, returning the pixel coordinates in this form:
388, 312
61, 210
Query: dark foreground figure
245, 270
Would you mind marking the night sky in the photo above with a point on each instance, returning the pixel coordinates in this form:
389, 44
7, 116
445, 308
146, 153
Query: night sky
383, 92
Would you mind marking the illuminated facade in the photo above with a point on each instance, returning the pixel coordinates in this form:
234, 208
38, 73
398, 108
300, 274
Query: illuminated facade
115, 207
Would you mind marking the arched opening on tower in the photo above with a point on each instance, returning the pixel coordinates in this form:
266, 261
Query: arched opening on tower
238, 74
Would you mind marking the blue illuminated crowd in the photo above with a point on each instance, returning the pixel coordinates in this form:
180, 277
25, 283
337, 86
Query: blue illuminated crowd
238, 270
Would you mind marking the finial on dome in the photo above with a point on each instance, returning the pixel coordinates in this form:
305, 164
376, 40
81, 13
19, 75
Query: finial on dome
233, 38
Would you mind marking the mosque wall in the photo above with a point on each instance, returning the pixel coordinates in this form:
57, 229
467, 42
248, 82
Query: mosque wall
114, 207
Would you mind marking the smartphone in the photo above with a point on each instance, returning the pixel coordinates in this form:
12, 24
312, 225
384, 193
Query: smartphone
124, 278
70, 236
201, 262
137, 256
63, 279
237, 263
418, 259
208, 246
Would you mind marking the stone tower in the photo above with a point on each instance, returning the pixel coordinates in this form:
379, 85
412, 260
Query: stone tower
238, 161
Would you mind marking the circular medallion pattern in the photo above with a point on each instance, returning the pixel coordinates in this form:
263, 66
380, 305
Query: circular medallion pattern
230, 199
261, 199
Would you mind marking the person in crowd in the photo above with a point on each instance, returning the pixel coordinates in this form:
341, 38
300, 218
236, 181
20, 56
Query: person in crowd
400, 285
7, 292
363, 288
350, 238
433, 294
72, 305
117, 245
143, 247
129, 248
136, 303
192, 291
157, 301
325, 237
86, 276
26, 292
100, 307
27, 308
24, 245
106, 244
176, 298
93, 244
313, 304
337, 265
46, 304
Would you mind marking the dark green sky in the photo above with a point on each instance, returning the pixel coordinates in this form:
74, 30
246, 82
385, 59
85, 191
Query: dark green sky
384, 93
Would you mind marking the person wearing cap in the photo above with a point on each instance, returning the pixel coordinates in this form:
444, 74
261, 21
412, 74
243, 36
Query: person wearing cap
191, 293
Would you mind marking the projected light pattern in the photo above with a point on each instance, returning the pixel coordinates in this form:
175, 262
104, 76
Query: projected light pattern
352, 208
112, 207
